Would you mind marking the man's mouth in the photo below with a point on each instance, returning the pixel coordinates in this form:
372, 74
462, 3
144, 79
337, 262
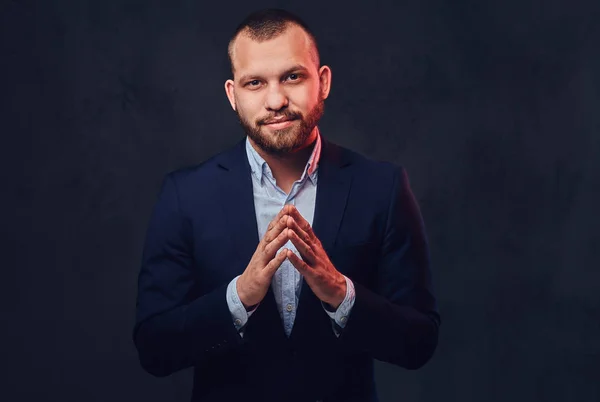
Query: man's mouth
281, 120
281, 123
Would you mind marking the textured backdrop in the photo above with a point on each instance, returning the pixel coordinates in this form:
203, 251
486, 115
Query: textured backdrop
492, 106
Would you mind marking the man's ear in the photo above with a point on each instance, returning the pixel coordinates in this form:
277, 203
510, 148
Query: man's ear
229, 86
325, 81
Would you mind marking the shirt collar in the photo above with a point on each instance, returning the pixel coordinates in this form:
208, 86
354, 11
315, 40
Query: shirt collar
260, 167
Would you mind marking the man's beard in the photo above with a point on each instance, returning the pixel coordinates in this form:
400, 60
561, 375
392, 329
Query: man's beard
285, 140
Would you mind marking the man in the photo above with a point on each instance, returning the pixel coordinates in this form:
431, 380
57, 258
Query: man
279, 269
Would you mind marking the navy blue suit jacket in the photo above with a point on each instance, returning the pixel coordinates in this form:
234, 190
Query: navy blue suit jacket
203, 232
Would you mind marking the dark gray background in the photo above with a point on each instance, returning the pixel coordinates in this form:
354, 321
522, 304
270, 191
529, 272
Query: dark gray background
492, 106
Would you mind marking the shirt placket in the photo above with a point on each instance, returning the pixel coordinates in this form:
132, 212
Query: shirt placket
289, 289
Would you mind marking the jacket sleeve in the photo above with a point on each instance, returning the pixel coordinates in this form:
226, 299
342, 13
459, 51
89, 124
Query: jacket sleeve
396, 320
174, 328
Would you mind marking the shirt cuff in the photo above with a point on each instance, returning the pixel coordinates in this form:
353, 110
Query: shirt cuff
341, 314
236, 308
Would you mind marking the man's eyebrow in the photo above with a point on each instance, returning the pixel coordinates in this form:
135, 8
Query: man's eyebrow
297, 67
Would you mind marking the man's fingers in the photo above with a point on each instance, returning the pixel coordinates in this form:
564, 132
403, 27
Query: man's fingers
272, 247
277, 218
302, 223
303, 248
292, 224
299, 264
275, 230
276, 262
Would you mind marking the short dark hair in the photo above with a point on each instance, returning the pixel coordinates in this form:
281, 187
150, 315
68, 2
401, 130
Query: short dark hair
266, 24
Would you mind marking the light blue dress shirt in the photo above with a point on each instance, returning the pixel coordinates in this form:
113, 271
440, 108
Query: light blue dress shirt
286, 283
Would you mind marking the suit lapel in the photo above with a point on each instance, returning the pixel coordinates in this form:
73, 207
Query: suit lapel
237, 201
333, 188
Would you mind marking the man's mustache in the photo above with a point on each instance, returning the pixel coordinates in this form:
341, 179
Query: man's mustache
279, 118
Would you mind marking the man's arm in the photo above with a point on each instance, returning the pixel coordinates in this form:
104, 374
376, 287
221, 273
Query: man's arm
174, 329
397, 322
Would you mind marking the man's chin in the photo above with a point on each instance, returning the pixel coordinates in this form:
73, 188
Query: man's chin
281, 148
266, 130
277, 142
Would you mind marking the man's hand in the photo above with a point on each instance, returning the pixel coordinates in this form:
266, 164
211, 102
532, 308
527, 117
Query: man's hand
253, 284
326, 282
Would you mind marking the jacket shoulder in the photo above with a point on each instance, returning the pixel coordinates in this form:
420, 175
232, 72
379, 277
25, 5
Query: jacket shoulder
201, 170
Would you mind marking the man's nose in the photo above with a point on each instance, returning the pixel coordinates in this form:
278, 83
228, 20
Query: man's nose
276, 98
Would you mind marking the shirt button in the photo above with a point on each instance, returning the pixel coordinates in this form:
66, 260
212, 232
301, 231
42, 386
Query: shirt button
238, 322
343, 319
289, 307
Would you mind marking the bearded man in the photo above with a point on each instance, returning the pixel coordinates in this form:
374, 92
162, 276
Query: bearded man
281, 267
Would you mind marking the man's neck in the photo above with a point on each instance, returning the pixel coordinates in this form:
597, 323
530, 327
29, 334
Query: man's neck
288, 168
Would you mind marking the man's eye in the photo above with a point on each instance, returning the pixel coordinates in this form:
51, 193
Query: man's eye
294, 77
253, 83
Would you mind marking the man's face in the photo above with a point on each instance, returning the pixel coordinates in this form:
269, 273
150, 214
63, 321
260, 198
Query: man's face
278, 79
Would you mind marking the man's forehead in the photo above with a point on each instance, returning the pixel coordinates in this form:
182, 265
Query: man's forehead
294, 46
